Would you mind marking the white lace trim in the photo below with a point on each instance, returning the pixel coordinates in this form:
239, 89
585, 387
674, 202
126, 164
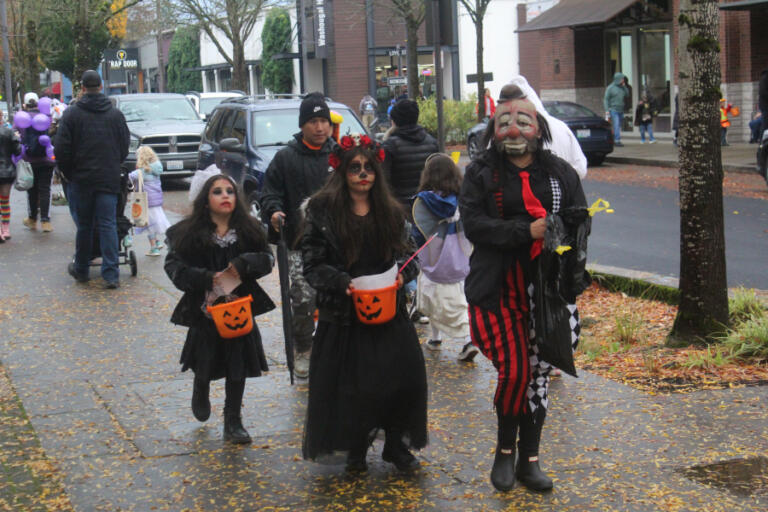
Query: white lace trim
224, 241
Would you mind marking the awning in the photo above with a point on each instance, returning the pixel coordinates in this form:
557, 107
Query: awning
745, 5
574, 13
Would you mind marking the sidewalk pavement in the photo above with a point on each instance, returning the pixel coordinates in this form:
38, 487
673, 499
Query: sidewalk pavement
97, 372
738, 157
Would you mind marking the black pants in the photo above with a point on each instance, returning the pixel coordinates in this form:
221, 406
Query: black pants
39, 196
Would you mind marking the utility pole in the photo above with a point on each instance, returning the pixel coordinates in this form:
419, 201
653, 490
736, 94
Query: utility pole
438, 74
6, 58
160, 63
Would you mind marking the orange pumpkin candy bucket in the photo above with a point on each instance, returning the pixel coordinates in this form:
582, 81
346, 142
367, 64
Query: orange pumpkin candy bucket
233, 319
375, 306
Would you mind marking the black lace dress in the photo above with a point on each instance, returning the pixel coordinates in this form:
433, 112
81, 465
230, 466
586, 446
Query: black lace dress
363, 378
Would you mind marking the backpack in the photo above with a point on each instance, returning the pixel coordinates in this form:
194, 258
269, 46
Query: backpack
32, 142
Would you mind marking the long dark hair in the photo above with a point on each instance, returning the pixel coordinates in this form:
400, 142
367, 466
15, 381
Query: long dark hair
386, 215
440, 174
195, 232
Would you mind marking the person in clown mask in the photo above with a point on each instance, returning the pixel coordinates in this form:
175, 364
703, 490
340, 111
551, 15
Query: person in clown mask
506, 195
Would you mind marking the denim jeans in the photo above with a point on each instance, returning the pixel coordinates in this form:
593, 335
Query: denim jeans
617, 119
39, 196
646, 127
70, 192
96, 211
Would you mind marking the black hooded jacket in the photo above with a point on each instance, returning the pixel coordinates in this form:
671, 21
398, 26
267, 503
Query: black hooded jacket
92, 143
406, 151
294, 174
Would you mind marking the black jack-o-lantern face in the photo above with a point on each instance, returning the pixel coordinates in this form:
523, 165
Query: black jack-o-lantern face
235, 326
369, 306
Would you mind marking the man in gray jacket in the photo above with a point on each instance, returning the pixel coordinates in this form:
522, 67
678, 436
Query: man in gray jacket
613, 101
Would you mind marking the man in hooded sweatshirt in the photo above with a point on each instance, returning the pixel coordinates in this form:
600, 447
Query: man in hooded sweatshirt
613, 101
91, 144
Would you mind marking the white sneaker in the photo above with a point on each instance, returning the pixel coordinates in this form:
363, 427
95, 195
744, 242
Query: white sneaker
301, 365
468, 352
434, 344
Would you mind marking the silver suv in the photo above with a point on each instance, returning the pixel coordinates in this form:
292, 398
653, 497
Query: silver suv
169, 124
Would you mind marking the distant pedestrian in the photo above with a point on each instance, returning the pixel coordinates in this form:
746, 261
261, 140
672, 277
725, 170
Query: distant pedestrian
368, 107
91, 144
363, 376
9, 147
445, 261
725, 109
490, 105
39, 196
644, 115
219, 251
298, 171
676, 119
755, 135
616, 95
151, 169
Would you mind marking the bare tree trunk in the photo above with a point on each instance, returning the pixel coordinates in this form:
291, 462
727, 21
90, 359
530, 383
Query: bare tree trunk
160, 61
703, 307
412, 49
480, 80
239, 69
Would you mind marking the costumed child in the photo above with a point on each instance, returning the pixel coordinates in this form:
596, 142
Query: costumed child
151, 169
506, 197
10, 150
219, 250
644, 114
445, 261
363, 377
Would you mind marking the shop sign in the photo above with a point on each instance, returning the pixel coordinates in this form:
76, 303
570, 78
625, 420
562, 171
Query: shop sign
397, 80
122, 59
321, 29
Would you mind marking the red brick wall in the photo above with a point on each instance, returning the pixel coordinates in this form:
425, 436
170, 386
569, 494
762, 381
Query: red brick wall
528, 47
735, 46
557, 44
348, 63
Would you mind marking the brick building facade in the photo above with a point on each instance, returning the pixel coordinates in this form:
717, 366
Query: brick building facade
572, 51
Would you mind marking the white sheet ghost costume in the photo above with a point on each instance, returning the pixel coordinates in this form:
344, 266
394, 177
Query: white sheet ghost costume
564, 143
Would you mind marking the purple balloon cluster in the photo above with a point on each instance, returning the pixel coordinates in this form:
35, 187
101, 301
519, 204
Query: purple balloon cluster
40, 122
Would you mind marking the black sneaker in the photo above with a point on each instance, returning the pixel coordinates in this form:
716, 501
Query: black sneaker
468, 352
112, 285
434, 344
78, 277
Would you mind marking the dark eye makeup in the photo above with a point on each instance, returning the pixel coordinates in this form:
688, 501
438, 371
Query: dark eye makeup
218, 191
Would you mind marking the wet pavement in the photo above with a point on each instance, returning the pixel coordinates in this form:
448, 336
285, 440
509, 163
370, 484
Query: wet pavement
96, 371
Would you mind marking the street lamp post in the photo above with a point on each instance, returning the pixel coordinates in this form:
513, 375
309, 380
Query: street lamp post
438, 73
6, 58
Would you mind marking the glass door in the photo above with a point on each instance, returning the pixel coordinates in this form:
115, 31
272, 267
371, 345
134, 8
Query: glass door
655, 59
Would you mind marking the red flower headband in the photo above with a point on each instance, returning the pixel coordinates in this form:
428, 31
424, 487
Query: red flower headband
349, 142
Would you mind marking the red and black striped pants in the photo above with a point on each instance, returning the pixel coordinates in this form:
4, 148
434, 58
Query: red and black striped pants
502, 335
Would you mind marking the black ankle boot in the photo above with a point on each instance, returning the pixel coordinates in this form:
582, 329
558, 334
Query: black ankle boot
397, 453
528, 471
234, 432
530, 474
356, 462
201, 405
503, 471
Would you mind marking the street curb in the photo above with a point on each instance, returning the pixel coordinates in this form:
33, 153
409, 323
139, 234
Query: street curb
744, 169
652, 279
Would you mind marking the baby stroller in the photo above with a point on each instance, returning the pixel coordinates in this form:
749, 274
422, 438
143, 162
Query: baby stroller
125, 255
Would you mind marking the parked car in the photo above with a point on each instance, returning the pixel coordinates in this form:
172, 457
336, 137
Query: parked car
592, 131
169, 124
244, 134
205, 102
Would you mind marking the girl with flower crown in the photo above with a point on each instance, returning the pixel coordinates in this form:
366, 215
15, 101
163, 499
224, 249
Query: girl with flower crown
363, 377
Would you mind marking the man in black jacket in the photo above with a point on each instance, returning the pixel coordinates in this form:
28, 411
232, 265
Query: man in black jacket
91, 144
407, 148
298, 171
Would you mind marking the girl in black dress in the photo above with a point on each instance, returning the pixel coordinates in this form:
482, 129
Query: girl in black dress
219, 241
362, 377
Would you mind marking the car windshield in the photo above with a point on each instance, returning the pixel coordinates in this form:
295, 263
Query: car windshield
208, 104
173, 109
567, 110
276, 127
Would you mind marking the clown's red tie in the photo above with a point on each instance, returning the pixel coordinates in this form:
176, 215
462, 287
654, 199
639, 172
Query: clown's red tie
534, 207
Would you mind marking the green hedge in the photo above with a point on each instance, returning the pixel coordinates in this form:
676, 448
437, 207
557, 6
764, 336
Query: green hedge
458, 115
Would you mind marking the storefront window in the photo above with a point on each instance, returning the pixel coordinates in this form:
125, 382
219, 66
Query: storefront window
391, 83
655, 71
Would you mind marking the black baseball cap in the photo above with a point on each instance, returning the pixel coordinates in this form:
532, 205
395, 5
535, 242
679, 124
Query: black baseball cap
90, 79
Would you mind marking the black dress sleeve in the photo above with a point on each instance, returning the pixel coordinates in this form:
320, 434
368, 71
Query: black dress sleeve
315, 251
186, 277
